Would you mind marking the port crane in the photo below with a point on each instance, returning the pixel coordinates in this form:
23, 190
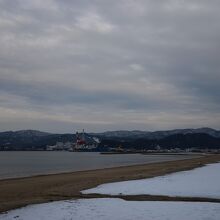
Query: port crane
81, 144
80, 140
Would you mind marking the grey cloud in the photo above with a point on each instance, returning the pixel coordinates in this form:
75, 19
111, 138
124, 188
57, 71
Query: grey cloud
45, 94
149, 57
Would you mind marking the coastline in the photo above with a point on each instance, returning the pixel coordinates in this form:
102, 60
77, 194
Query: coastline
27, 164
15, 193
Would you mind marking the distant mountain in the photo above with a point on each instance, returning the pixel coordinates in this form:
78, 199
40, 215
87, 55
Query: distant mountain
182, 141
32, 133
24, 133
156, 134
37, 140
29, 139
122, 134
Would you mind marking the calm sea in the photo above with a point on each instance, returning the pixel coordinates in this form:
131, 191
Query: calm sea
22, 164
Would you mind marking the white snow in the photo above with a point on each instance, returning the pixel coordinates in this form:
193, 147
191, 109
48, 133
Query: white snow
117, 209
200, 182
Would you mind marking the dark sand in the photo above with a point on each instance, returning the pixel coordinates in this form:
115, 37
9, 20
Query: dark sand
16, 193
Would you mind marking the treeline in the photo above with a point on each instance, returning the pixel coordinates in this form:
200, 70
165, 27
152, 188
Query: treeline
182, 141
10, 141
33, 140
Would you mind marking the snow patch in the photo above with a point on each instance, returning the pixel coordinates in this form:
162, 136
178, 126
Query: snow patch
117, 209
200, 182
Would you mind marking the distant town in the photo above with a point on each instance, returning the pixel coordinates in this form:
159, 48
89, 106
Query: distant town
172, 141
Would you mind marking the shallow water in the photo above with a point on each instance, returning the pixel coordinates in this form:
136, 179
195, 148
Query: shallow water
30, 163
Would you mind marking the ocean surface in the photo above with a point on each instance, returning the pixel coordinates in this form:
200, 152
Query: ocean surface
30, 163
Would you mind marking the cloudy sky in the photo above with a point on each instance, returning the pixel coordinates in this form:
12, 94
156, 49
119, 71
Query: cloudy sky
109, 64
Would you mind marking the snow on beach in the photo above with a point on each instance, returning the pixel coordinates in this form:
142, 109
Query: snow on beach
200, 182
203, 182
117, 209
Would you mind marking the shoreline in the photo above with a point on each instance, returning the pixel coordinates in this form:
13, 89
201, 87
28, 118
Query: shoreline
75, 167
23, 191
28, 164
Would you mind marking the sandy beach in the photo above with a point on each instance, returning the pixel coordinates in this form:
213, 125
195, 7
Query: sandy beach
19, 192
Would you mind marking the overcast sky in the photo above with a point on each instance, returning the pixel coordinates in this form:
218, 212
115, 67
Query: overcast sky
109, 64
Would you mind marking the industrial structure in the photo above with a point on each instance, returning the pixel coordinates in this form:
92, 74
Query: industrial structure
82, 144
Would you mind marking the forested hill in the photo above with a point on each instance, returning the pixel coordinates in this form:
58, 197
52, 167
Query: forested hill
180, 138
182, 141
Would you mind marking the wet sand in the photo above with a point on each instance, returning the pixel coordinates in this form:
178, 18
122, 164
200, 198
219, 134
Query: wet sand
19, 192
